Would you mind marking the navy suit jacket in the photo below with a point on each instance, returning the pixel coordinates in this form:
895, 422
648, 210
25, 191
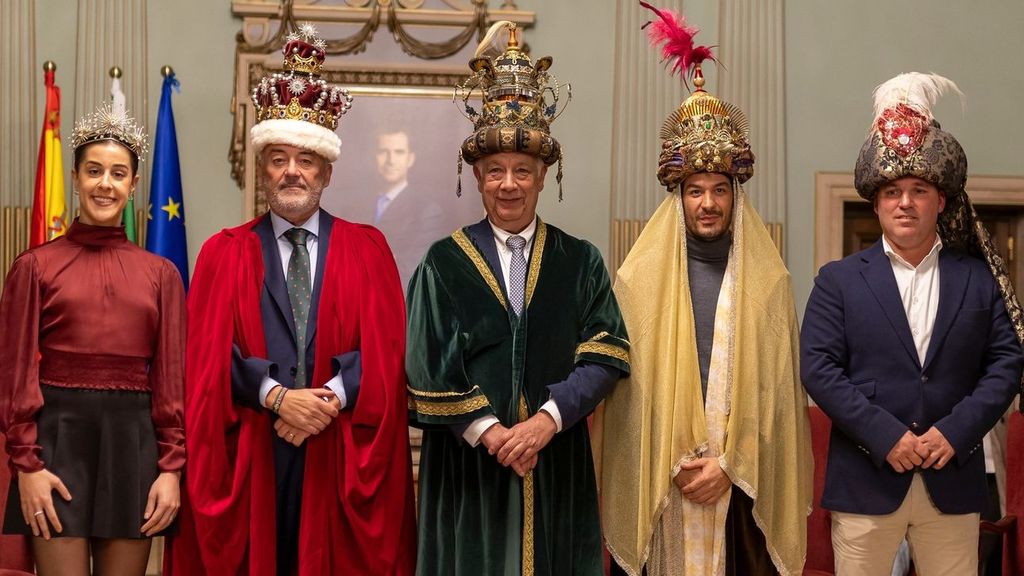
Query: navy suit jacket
411, 223
279, 327
860, 365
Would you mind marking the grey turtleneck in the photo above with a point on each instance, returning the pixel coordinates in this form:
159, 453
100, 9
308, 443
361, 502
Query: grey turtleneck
706, 261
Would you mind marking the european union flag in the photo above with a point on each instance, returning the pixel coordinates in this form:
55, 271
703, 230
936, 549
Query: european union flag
165, 234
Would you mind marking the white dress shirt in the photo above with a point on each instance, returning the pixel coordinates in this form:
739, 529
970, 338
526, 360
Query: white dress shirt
482, 424
284, 246
919, 292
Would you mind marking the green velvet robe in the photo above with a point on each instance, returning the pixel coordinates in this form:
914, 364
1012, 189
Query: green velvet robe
469, 356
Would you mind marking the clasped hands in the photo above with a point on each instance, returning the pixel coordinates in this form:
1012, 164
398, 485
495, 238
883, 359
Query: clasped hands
929, 450
519, 445
303, 412
702, 481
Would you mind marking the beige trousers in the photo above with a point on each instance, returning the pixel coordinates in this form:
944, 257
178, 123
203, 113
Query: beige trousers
940, 544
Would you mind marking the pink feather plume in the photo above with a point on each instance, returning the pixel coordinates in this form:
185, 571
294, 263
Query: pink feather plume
670, 31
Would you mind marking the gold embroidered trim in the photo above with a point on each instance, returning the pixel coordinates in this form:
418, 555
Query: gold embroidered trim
426, 394
527, 505
601, 335
481, 266
448, 408
535, 259
604, 350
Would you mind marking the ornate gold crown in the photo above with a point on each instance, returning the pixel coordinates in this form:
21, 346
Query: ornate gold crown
704, 134
107, 124
300, 93
513, 90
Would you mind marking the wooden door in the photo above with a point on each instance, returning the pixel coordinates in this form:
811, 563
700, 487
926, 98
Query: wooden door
861, 230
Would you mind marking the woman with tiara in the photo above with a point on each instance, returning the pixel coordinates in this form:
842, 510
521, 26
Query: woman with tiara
92, 332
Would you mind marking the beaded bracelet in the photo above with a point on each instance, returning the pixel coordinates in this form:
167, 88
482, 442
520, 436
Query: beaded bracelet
278, 399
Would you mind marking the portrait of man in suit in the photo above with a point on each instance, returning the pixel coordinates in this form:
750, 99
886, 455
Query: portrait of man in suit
408, 216
403, 180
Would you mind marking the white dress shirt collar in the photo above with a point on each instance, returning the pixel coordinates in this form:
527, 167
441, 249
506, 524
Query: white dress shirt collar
893, 256
280, 225
501, 236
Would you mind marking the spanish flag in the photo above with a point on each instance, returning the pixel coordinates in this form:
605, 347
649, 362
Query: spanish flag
49, 217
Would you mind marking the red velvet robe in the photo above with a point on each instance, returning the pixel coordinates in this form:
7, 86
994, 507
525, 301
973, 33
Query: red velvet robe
357, 506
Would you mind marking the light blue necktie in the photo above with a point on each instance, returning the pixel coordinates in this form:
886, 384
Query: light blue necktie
517, 274
382, 205
299, 294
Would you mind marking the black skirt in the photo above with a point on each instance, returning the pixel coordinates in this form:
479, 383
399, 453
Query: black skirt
101, 444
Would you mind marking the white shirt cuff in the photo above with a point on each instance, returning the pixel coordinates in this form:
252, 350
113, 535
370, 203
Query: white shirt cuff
336, 385
477, 428
266, 386
551, 408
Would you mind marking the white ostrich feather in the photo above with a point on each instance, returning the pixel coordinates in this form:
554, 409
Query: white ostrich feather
492, 44
917, 90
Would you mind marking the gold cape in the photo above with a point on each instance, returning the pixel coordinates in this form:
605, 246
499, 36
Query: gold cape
651, 425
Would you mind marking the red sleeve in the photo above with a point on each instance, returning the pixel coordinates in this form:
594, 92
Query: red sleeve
20, 397
166, 374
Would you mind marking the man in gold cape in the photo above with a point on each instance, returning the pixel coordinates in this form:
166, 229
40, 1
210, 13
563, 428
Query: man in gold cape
663, 448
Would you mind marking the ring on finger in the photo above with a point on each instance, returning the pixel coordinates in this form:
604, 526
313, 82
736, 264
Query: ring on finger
38, 513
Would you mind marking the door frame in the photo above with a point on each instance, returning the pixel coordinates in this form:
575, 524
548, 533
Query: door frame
832, 190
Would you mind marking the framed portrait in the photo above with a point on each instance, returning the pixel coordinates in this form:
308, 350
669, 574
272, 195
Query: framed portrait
399, 155
398, 168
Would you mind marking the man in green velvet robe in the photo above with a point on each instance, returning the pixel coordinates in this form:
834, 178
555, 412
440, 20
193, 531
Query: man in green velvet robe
514, 338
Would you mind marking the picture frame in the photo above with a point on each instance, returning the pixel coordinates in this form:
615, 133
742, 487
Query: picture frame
393, 108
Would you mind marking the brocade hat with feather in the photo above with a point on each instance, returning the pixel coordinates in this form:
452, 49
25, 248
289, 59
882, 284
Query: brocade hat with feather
905, 140
704, 134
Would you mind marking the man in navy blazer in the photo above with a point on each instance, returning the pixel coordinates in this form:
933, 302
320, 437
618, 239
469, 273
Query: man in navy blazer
310, 308
908, 347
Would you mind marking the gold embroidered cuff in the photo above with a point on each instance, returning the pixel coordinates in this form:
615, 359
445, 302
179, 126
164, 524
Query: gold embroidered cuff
434, 405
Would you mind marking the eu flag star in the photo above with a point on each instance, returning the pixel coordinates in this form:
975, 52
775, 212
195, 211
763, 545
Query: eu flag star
171, 209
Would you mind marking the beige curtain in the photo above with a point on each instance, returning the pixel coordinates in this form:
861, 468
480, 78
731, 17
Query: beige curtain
21, 79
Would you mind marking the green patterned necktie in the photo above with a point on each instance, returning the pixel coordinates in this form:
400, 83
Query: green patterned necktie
299, 293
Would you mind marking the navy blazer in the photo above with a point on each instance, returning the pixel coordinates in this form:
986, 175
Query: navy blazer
279, 327
860, 365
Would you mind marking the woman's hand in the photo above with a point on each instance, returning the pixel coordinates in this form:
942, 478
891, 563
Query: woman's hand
164, 501
36, 490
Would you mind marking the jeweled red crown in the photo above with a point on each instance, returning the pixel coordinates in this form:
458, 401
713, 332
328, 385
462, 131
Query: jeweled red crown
300, 93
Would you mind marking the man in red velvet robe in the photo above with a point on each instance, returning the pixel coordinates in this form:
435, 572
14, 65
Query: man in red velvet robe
295, 389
